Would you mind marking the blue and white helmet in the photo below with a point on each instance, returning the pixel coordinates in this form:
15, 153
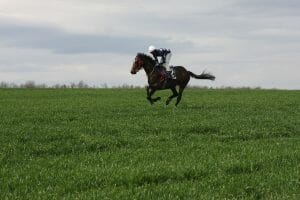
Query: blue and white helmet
151, 48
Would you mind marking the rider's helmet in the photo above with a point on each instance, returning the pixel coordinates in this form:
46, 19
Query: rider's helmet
151, 48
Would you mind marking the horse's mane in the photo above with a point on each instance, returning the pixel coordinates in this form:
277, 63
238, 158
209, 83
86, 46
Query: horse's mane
146, 57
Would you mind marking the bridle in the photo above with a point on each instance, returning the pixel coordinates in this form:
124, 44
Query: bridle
151, 71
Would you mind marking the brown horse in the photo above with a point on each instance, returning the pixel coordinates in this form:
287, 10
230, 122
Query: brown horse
157, 79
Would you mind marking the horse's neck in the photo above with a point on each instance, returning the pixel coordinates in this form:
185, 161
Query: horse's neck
148, 68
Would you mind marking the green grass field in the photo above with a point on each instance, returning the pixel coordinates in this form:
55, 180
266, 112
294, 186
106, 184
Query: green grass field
112, 144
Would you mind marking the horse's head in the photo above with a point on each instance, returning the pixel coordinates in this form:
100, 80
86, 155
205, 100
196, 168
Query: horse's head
137, 64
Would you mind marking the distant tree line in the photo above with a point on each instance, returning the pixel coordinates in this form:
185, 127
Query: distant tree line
82, 84
32, 84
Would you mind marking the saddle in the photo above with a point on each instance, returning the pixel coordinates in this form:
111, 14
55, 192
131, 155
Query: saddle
164, 74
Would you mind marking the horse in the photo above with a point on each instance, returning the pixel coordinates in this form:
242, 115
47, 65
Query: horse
157, 79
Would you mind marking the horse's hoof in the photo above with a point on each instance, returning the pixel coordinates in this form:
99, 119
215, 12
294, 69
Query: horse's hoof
156, 99
151, 102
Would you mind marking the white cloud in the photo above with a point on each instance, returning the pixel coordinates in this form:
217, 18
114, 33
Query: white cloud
244, 43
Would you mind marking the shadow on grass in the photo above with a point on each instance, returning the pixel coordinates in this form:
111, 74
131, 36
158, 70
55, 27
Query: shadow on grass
243, 169
136, 181
147, 179
60, 149
256, 136
204, 129
61, 145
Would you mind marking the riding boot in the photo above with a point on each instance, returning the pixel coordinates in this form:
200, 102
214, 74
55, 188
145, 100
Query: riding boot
172, 72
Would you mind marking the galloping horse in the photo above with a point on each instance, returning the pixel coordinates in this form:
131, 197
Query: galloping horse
158, 81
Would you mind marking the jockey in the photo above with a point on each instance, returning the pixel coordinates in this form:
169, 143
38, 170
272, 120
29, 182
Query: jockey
165, 57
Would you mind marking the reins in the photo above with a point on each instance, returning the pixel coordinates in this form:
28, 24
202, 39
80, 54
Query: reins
152, 71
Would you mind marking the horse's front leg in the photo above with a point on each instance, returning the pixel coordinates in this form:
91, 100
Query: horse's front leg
150, 92
148, 95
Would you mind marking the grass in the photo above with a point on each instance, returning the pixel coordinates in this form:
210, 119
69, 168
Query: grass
111, 144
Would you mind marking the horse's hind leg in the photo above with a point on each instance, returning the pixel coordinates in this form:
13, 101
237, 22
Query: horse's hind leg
175, 94
181, 88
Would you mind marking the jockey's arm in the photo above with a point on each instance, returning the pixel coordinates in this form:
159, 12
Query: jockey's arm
164, 55
154, 54
163, 59
156, 59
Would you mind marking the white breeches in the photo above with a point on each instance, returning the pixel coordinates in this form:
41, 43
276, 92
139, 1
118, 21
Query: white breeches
168, 58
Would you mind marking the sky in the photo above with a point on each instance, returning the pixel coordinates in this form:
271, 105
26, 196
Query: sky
243, 43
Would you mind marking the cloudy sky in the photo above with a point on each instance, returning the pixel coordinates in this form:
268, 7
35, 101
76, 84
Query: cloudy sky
242, 42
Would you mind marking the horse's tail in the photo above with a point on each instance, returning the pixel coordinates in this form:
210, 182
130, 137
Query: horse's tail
203, 75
